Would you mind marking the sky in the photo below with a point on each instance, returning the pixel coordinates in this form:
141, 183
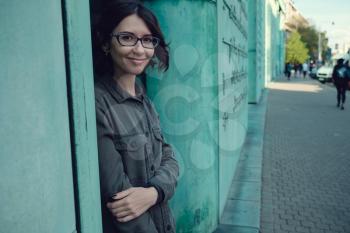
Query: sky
332, 16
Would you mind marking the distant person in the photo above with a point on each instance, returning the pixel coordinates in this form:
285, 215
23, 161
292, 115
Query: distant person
305, 69
347, 73
340, 79
296, 68
300, 69
288, 70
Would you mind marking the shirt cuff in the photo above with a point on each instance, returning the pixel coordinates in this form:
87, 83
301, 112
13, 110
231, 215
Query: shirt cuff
159, 191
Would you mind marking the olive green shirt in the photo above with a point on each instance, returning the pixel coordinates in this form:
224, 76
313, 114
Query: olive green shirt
133, 153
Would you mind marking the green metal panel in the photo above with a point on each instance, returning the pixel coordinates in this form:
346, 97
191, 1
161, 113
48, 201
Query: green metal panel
36, 185
274, 41
81, 88
255, 50
252, 50
186, 99
260, 55
232, 96
268, 44
263, 42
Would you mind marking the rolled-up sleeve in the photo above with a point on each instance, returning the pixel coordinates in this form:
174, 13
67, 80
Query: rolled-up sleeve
165, 178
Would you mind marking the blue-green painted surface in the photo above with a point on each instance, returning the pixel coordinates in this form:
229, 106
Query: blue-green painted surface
256, 59
36, 184
186, 99
274, 41
202, 101
81, 88
232, 79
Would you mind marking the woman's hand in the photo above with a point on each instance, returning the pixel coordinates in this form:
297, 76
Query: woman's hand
133, 202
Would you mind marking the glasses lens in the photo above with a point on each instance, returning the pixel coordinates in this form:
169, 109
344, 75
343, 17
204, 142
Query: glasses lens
127, 39
150, 42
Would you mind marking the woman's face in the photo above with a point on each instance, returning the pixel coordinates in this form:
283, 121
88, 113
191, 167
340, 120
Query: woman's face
130, 60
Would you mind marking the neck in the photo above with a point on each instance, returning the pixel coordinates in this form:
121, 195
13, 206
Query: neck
126, 82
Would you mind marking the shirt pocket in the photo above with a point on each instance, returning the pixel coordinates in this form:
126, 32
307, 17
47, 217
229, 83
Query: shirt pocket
132, 151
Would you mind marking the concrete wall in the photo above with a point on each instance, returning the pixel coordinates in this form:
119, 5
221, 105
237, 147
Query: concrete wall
274, 44
202, 101
48, 156
256, 49
185, 98
36, 183
232, 82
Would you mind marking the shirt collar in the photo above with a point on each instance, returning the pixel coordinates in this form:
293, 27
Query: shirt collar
119, 93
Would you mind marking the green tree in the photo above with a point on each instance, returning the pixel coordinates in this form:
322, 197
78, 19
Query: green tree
309, 35
296, 51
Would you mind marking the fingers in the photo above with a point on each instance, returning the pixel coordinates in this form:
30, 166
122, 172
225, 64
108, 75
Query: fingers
128, 215
115, 211
117, 201
130, 204
127, 218
123, 194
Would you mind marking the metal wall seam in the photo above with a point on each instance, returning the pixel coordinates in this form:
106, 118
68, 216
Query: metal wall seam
76, 17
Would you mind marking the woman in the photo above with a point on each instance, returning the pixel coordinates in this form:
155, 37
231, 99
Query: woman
341, 82
138, 171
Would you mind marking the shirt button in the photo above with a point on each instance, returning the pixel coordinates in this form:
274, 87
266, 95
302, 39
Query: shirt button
168, 227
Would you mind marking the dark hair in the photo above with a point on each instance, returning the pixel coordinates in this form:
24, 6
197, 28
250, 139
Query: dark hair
340, 61
108, 19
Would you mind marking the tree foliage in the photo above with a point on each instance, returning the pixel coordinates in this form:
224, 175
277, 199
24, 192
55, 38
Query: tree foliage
296, 51
309, 35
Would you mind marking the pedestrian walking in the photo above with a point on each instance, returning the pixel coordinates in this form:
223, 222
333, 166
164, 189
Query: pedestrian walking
138, 170
341, 81
288, 70
296, 69
305, 69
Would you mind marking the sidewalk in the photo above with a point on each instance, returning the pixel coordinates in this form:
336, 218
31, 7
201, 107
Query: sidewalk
306, 161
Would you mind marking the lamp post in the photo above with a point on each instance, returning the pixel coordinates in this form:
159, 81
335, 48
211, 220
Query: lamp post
319, 47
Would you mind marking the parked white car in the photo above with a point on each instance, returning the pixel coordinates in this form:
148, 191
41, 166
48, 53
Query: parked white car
324, 74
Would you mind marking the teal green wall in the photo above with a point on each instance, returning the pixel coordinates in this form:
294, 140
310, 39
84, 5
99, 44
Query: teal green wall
256, 59
48, 155
202, 102
252, 50
268, 42
35, 154
185, 98
82, 114
232, 97
274, 44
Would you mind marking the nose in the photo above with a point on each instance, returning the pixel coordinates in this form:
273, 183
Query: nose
138, 48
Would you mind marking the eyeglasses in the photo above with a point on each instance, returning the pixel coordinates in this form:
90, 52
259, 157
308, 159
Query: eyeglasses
129, 39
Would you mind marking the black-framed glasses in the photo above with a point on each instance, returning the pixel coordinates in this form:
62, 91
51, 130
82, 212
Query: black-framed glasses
130, 39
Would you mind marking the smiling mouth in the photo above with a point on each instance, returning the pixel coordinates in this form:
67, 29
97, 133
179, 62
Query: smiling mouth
137, 61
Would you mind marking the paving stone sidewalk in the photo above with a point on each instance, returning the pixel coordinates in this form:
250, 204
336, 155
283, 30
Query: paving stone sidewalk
306, 160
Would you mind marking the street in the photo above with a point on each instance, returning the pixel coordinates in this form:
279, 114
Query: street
306, 160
